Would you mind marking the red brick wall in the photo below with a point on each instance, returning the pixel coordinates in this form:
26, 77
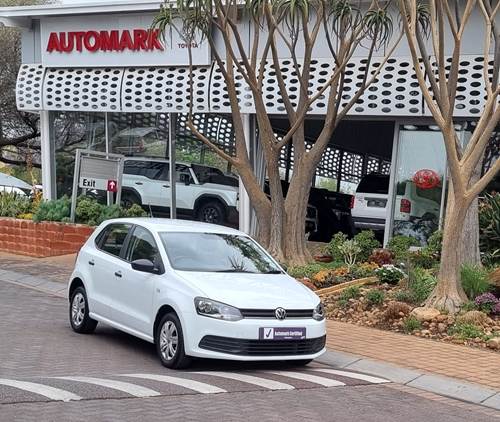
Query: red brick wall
24, 237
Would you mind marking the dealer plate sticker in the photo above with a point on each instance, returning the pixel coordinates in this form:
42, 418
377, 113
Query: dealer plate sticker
285, 333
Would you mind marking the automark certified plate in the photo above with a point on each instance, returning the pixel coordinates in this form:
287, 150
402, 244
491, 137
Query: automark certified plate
282, 333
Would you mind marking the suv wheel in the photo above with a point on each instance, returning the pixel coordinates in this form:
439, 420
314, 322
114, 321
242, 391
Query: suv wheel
211, 212
170, 343
79, 312
128, 199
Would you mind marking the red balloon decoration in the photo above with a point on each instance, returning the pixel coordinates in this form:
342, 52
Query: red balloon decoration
426, 179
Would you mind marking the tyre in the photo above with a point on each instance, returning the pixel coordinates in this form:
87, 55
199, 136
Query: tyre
211, 212
128, 199
79, 312
300, 362
169, 341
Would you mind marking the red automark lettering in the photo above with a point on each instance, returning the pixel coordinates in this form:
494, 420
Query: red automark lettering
114, 40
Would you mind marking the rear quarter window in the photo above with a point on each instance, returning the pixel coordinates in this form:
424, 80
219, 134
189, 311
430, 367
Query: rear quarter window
374, 184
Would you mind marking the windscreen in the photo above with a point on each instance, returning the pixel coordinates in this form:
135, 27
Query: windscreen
216, 252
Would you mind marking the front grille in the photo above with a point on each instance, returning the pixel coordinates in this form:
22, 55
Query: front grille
269, 313
242, 347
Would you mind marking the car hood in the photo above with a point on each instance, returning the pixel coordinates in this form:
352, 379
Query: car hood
252, 291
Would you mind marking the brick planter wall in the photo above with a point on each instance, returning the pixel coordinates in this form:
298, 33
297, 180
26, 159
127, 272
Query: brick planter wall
24, 237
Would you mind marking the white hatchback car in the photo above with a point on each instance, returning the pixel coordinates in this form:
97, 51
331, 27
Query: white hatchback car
195, 290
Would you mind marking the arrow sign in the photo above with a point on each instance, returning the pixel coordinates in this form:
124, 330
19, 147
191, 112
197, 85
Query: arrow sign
112, 186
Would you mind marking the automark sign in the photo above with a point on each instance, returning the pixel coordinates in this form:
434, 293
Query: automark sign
114, 40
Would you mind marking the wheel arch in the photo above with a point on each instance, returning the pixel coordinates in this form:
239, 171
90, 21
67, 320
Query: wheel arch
74, 284
163, 310
203, 199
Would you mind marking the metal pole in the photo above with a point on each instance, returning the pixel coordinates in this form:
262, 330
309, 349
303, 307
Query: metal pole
172, 118
391, 195
106, 134
76, 180
47, 158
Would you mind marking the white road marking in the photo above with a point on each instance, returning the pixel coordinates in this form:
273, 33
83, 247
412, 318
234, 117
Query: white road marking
373, 380
201, 387
126, 387
262, 382
43, 390
326, 382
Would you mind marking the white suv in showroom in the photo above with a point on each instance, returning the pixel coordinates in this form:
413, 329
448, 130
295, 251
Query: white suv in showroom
202, 192
194, 290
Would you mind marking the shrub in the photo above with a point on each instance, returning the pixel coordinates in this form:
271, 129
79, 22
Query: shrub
55, 210
411, 324
474, 280
468, 306
134, 211
396, 310
465, 331
389, 274
400, 246
375, 296
435, 243
489, 227
487, 302
310, 270
421, 284
88, 211
367, 243
381, 257
365, 269
333, 247
477, 318
13, 204
324, 278
424, 258
352, 292
404, 296
349, 250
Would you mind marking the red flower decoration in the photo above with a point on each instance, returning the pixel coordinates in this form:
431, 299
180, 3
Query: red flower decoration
426, 179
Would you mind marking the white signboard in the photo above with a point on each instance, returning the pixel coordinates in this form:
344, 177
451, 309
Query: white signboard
109, 185
114, 41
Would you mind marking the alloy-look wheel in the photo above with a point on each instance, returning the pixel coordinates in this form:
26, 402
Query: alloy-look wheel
79, 313
211, 212
170, 343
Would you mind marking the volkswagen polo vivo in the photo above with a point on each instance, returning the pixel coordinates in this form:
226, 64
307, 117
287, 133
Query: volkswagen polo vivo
194, 290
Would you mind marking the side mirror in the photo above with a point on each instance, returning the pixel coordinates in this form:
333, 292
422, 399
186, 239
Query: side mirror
145, 266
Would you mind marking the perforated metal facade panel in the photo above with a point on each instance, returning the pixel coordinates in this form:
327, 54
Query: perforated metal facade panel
29, 87
82, 89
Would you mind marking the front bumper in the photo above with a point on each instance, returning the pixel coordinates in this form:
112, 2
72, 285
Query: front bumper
239, 340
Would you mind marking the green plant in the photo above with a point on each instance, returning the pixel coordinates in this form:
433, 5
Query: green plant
333, 247
421, 284
349, 250
343, 303
13, 204
310, 270
465, 331
134, 211
489, 227
468, 306
381, 257
55, 210
411, 324
435, 242
389, 274
404, 296
375, 296
424, 258
474, 280
352, 292
88, 211
400, 246
367, 243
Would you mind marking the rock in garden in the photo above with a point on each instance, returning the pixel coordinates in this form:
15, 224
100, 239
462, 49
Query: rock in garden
475, 318
441, 327
494, 343
425, 314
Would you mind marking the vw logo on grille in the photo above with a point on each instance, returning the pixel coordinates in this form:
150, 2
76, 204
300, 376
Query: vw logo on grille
280, 313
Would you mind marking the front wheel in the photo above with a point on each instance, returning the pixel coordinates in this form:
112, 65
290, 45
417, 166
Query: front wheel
211, 212
170, 343
79, 312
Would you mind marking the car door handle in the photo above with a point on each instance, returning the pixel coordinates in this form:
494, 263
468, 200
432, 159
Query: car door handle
91, 262
138, 183
166, 186
118, 274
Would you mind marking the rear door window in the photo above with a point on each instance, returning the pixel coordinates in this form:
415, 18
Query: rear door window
113, 238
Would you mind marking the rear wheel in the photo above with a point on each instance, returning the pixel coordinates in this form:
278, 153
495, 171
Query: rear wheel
211, 212
79, 312
170, 343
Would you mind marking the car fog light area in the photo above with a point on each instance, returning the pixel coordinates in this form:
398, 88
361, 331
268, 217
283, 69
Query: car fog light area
213, 309
319, 312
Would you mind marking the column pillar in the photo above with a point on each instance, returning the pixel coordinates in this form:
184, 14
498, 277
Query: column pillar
48, 158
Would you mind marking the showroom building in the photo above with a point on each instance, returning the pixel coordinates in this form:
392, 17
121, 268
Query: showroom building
101, 80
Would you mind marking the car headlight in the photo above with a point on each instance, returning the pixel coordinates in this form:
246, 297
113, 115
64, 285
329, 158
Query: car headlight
319, 312
213, 309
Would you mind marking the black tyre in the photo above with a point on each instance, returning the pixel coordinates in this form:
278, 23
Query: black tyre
169, 341
79, 312
300, 362
128, 199
211, 212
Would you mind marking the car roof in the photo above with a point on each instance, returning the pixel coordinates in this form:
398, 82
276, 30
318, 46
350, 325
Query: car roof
172, 225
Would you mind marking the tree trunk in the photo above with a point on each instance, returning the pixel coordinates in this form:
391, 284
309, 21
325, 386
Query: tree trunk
469, 242
448, 293
296, 209
275, 247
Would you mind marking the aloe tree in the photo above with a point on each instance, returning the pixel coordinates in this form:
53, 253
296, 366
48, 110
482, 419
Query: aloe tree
297, 25
447, 22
